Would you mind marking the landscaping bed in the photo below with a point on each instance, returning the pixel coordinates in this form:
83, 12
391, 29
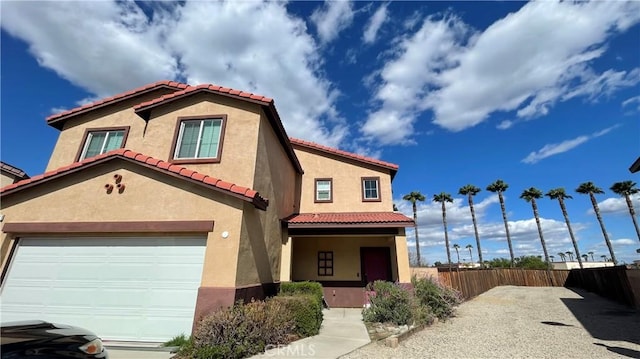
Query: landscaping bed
395, 311
248, 329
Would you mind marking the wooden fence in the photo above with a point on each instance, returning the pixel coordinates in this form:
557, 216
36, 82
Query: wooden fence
474, 282
608, 282
615, 283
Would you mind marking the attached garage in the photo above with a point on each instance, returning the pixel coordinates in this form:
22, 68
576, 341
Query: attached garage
122, 288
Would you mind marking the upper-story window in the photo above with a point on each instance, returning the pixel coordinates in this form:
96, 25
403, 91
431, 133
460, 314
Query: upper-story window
324, 190
371, 189
100, 140
199, 139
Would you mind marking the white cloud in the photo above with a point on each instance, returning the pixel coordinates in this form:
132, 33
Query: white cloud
332, 18
564, 146
371, 30
624, 242
523, 63
247, 61
532, 58
633, 103
505, 125
404, 80
617, 205
114, 46
102, 51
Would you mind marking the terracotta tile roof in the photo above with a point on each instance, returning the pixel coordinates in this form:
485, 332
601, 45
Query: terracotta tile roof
14, 171
140, 108
241, 192
122, 96
341, 153
380, 219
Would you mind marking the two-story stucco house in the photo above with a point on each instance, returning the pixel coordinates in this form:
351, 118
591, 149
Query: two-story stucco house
169, 201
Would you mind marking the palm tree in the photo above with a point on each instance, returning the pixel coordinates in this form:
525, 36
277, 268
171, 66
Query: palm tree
457, 248
626, 189
499, 187
591, 254
444, 198
591, 189
570, 254
560, 195
530, 195
604, 258
470, 191
552, 258
562, 256
585, 257
413, 197
470, 247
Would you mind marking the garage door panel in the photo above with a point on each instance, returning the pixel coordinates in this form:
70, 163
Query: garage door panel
121, 288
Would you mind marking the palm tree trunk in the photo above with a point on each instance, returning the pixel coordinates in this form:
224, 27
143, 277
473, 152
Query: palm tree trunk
544, 245
604, 231
475, 229
573, 238
415, 228
506, 228
471, 255
633, 214
446, 235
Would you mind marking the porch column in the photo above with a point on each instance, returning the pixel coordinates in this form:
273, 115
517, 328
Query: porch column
285, 261
402, 254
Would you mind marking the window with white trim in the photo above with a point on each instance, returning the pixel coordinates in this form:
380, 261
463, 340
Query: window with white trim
99, 142
198, 139
371, 189
324, 190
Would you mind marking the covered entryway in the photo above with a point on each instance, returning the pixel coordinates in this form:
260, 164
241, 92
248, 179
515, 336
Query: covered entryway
376, 264
125, 289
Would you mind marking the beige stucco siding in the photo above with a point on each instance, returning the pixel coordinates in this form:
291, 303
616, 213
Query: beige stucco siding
156, 137
6, 180
238, 157
148, 196
263, 234
347, 187
346, 256
116, 115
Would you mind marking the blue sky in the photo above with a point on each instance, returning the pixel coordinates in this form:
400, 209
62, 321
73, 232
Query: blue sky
538, 94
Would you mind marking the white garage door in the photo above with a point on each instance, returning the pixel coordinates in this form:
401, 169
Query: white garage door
126, 289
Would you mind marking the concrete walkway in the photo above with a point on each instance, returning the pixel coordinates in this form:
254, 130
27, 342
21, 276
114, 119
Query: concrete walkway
342, 332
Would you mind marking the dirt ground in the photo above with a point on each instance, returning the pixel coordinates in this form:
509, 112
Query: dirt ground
525, 322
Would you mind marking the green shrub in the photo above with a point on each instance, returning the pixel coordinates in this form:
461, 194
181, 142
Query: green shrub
301, 288
305, 310
240, 331
440, 299
177, 341
390, 304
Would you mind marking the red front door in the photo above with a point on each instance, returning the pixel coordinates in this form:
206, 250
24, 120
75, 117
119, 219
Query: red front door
376, 264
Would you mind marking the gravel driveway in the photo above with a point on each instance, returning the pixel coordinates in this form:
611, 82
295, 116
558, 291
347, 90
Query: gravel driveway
525, 322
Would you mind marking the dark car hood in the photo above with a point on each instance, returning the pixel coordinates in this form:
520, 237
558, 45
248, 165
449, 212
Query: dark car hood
15, 332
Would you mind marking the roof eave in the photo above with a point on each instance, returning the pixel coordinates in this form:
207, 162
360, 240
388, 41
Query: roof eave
58, 122
635, 167
257, 200
392, 170
351, 225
